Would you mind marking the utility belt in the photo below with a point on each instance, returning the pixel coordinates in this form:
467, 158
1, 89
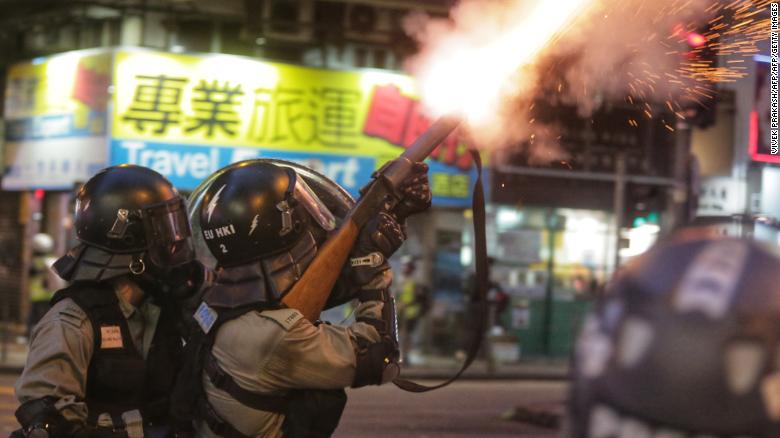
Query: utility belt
129, 424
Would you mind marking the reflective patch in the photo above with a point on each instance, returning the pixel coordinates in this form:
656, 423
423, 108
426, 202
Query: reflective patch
635, 338
593, 350
744, 362
213, 203
110, 337
770, 390
709, 284
205, 316
604, 422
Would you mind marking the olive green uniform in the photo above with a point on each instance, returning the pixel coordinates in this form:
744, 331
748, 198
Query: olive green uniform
61, 347
272, 351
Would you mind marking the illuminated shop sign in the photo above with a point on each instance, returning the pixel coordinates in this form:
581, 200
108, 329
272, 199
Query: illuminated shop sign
187, 115
184, 114
55, 119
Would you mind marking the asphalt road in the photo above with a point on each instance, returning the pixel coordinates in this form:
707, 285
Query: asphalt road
465, 409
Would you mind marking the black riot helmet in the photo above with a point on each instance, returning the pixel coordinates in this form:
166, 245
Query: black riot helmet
258, 209
126, 218
259, 222
685, 344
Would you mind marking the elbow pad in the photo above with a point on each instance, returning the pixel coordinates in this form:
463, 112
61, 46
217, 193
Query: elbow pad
377, 363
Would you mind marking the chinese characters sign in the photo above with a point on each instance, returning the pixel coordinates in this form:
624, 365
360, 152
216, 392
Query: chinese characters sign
189, 115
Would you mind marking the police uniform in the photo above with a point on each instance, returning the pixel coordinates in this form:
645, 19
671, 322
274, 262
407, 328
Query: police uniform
273, 351
104, 358
266, 370
64, 345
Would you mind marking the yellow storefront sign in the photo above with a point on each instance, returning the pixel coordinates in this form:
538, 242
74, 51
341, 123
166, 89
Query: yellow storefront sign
235, 101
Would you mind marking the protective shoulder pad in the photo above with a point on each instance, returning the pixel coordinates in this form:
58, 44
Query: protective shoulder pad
286, 318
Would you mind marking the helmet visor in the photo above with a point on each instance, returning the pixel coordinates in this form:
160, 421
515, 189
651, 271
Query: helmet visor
168, 234
316, 208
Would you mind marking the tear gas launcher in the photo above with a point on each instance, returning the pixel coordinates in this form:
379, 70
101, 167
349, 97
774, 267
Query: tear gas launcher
311, 291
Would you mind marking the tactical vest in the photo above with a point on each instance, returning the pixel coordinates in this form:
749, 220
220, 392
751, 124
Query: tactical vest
118, 378
308, 413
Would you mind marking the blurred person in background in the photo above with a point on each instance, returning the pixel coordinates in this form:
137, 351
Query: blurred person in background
43, 282
413, 300
103, 359
685, 343
498, 303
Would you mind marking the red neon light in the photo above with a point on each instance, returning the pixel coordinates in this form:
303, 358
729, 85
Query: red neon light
38, 193
753, 142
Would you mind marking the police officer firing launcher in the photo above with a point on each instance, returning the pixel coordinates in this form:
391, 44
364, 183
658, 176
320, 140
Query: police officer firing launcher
103, 360
266, 370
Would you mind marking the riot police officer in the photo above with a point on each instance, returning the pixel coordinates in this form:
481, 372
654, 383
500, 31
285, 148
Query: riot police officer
267, 371
684, 344
103, 359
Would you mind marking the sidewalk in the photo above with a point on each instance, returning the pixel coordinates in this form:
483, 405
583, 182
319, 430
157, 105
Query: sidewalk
438, 368
14, 355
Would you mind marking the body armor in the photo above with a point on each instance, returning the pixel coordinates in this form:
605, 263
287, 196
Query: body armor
119, 379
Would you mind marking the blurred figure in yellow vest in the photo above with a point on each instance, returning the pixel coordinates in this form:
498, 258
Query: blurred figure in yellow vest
413, 302
42, 282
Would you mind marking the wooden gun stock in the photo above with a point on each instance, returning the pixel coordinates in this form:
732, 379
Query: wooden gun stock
309, 294
311, 291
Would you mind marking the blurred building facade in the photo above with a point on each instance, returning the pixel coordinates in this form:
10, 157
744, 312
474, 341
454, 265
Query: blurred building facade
61, 68
556, 230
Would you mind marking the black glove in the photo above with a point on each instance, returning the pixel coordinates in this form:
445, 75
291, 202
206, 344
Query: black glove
378, 240
40, 419
416, 193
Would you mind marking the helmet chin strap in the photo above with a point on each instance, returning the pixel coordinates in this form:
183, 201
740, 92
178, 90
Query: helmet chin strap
147, 276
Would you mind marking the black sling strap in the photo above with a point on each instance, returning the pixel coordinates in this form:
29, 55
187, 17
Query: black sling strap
216, 423
481, 286
224, 381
